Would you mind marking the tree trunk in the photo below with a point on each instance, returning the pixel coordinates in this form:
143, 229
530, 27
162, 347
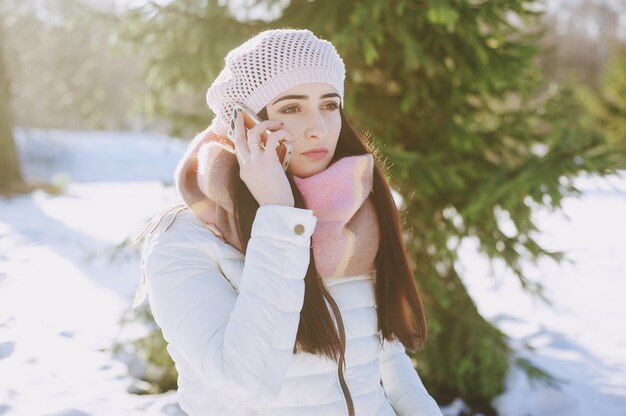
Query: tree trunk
10, 173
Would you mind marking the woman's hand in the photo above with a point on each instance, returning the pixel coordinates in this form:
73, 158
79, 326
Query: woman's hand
260, 169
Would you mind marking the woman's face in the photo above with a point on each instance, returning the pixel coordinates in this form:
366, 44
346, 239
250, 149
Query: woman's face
310, 113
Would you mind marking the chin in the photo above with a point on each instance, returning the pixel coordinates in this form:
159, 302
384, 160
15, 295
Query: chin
305, 173
306, 167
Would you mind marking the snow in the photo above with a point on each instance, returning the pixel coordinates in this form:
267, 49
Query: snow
64, 287
578, 338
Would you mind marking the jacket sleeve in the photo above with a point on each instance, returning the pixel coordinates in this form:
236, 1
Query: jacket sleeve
240, 344
402, 384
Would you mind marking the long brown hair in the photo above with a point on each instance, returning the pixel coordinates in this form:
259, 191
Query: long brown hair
399, 307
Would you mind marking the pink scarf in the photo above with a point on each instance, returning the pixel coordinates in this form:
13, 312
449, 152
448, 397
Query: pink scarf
346, 236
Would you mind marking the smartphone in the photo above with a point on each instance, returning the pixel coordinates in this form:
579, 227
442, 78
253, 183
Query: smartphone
250, 119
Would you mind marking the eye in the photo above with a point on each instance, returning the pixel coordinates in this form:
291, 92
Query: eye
332, 106
289, 110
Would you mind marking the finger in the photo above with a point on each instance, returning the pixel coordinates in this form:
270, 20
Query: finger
281, 135
273, 141
263, 126
255, 143
240, 139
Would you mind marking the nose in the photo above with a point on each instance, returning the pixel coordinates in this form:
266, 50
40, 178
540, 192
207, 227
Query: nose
317, 128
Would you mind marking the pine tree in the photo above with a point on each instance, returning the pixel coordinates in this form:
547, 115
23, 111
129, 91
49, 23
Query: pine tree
10, 172
606, 105
449, 91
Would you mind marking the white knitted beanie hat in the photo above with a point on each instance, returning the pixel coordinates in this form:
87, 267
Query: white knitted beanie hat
268, 64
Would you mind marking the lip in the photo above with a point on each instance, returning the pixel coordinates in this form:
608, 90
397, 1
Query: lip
316, 153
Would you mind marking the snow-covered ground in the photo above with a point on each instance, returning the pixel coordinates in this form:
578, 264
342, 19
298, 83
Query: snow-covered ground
64, 287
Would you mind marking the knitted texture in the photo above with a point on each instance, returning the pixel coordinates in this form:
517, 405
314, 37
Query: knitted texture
269, 64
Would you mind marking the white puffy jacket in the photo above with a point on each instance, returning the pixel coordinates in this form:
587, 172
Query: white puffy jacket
231, 325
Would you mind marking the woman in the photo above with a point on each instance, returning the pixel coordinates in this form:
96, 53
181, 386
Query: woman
314, 318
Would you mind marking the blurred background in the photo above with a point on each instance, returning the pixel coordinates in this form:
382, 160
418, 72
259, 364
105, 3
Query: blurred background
502, 125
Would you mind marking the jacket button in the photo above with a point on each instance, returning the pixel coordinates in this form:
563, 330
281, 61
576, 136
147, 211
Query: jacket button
298, 229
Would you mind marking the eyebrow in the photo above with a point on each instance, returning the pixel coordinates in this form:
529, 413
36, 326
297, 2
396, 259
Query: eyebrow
304, 97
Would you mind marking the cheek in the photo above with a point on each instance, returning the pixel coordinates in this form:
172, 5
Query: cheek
335, 128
